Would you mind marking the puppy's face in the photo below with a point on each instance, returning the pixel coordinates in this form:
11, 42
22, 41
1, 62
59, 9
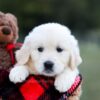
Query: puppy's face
52, 48
50, 53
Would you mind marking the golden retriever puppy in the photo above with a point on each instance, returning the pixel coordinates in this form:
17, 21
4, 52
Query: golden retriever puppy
51, 50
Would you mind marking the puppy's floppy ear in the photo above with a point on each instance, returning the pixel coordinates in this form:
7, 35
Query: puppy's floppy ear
75, 58
22, 55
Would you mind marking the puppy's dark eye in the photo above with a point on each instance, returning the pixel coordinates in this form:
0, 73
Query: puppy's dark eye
59, 49
40, 49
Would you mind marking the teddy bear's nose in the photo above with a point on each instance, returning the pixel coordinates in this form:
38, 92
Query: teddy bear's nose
6, 31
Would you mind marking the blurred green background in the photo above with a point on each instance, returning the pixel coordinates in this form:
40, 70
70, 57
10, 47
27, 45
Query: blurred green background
81, 16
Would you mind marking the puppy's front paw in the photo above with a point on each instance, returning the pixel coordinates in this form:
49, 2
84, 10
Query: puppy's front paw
18, 74
62, 83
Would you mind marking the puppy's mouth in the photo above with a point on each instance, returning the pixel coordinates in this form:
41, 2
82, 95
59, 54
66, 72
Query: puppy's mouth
48, 72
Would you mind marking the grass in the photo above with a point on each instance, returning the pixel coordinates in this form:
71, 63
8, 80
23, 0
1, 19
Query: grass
90, 68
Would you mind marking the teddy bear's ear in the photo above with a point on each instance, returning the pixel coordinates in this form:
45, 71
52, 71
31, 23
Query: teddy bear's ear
1, 14
11, 16
22, 55
75, 58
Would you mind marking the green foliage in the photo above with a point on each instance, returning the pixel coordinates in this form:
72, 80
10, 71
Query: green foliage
76, 14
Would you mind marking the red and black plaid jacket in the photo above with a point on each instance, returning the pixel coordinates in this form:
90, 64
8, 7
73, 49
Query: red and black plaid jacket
42, 88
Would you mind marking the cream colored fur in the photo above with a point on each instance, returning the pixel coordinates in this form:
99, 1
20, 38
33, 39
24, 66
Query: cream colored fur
49, 36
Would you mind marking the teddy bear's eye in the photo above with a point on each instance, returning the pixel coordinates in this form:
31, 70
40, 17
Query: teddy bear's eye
40, 49
59, 49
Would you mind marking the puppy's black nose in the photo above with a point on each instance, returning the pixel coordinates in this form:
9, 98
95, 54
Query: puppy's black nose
6, 31
48, 65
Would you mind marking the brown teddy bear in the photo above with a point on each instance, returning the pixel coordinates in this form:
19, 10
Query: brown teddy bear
8, 46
